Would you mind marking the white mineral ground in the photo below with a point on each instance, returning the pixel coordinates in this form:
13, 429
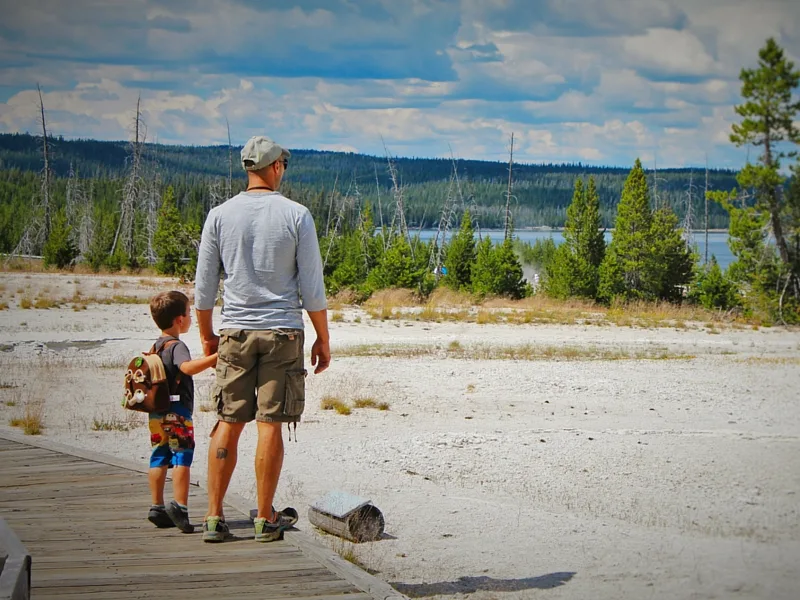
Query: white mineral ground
670, 478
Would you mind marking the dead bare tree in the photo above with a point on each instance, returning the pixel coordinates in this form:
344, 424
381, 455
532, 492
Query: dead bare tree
656, 179
330, 205
79, 212
346, 203
507, 221
38, 229
453, 199
705, 195
229, 189
130, 202
380, 207
688, 219
399, 217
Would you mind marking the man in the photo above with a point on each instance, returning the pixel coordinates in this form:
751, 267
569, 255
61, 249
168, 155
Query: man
265, 248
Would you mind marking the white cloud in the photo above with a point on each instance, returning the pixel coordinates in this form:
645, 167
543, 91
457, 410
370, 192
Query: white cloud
670, 52
590, 80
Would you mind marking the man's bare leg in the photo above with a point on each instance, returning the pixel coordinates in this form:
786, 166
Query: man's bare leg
222, 454
269, 462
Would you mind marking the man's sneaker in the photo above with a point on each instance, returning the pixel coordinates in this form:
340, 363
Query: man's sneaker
158, 516
179, 516
215, 530
267, 531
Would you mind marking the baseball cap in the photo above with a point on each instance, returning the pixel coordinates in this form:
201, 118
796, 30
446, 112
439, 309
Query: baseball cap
260, 151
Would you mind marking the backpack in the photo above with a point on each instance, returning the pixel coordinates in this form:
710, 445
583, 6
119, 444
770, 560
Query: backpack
147, 387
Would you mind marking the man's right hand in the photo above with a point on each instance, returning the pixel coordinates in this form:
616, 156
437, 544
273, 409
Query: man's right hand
320, 355
210, 344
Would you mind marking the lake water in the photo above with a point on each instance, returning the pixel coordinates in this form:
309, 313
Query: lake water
717, 241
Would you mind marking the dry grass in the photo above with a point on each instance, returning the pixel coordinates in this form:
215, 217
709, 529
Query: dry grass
387, 304
334, 403
772, 360
32, 421
447, 305
26, 303
337, 317
351, 391
128, 421
444, 297
3, 305
343, 298
45, 303
33, 265
370, 403
528, 352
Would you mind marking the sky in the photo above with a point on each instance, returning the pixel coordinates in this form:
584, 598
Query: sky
592, 81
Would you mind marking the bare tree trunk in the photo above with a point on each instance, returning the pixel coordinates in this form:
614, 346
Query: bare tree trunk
380, 207
774, 207
46, 174
705, 195
229, 190
129, 203
507, 224
688, 218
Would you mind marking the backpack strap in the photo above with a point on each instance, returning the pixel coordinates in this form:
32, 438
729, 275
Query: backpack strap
169, 344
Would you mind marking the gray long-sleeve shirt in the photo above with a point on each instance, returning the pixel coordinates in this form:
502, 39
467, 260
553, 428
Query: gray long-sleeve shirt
265, 248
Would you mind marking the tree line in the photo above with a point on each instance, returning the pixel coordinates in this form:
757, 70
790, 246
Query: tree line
148, 208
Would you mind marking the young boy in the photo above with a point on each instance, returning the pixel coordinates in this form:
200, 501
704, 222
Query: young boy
171, 432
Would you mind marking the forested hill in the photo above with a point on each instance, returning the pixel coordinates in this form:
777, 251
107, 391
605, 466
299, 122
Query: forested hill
541, 191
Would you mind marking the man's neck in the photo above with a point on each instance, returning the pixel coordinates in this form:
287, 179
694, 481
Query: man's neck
257, 183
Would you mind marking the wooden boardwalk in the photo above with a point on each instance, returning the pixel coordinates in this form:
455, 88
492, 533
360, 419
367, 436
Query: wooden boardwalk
83, 522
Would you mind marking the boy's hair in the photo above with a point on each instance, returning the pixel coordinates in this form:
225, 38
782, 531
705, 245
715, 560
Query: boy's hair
168, 306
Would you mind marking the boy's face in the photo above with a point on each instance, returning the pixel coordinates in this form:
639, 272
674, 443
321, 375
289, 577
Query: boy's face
185, 322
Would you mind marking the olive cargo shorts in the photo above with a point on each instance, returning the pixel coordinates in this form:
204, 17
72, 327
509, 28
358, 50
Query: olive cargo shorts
260, 375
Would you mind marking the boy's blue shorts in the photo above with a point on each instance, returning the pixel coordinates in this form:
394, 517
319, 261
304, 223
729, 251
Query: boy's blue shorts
172, 437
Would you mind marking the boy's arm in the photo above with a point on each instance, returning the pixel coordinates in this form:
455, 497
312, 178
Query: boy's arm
197, 365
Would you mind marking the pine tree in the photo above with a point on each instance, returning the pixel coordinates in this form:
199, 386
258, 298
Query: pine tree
712, 289
509, 281
396, 268
593, 244
59, 250
169, 236
626, 275
670, 262
755, 272
574, 270
484, 270
460, 256
769, 115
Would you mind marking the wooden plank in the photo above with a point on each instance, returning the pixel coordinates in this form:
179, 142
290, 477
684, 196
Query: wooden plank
267, 590
84, 522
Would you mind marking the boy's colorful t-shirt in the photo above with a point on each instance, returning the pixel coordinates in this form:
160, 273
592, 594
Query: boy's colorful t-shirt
173, 357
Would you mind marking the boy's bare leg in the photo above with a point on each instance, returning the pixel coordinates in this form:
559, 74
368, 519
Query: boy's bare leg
222, 454
156, 477
269, 461
180, 484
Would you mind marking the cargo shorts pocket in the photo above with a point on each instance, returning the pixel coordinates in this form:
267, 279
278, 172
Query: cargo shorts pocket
295, 396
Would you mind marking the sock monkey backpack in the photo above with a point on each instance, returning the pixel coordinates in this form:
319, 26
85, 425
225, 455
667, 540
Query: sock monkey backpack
147, 387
